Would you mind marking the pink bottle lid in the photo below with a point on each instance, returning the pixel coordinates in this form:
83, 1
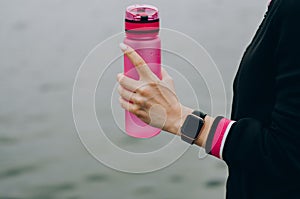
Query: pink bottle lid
141, 18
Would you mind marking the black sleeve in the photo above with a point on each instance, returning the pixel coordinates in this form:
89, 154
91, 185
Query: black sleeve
248, 144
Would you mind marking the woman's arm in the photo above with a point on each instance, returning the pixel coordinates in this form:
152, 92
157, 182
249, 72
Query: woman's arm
250, 144
246, 143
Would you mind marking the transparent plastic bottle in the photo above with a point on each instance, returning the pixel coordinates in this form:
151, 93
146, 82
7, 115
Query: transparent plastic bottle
142, 34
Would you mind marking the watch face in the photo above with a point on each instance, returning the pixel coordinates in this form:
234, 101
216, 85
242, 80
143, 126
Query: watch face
191, 128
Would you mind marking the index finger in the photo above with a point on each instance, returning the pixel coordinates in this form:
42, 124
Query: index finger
139, 63
128, 83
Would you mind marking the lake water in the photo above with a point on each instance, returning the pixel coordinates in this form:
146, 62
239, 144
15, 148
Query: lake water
42, 45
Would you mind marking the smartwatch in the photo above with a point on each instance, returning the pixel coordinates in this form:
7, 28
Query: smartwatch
191, 128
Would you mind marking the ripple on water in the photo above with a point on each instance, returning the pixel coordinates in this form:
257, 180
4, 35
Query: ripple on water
50, 191
19, 26
143, 190
12, 172
97, 178
50, 87
213, 183
7, 140
176, 178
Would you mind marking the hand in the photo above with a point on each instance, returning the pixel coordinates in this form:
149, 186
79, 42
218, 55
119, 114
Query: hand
152, 100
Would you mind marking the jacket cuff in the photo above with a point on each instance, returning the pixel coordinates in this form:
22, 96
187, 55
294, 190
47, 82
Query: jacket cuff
217, 136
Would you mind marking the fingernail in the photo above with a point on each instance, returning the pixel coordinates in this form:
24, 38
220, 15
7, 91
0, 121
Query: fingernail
123, 46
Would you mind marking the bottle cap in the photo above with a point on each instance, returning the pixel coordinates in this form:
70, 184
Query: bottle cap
141, 18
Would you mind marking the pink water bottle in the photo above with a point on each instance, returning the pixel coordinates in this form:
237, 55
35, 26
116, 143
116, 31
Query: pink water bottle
142, 28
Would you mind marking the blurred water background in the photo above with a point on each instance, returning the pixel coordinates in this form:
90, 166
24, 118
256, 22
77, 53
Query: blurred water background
43, 43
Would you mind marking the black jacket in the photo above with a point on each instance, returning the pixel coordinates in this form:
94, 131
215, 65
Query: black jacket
262, 148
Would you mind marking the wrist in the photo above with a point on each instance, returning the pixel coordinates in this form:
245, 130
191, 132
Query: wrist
201, 139
176, 127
